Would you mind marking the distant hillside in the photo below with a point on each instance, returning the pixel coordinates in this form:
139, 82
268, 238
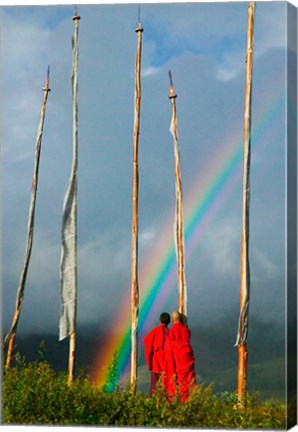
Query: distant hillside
266, 378
216, 356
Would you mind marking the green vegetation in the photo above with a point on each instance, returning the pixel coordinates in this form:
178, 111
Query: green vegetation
33, 393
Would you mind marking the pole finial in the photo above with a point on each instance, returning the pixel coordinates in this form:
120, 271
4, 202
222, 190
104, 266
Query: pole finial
172, 91
139, 27
170, 77
76, 17
47, 86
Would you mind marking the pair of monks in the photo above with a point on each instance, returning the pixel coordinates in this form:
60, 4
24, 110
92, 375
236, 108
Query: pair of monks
169, 356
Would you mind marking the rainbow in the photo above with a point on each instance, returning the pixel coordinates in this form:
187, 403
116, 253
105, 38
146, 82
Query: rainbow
211, 189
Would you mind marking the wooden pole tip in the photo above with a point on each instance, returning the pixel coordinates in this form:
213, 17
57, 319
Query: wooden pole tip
139, 28
172, 94
76, 17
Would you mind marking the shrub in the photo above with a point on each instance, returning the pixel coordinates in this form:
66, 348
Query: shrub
34, 394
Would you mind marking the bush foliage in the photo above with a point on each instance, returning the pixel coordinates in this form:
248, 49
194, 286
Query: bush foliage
33, 393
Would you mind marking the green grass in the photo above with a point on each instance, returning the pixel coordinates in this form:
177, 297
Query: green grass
33, 393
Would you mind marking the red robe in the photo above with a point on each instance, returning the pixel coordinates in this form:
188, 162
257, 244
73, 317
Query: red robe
179, 361
154, 348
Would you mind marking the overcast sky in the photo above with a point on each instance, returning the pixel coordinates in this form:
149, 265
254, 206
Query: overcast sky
204, 45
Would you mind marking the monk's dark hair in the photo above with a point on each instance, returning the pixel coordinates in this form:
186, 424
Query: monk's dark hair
165, 318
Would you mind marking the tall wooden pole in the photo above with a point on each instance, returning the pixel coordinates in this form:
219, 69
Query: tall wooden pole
20, 294
135, 199
179, 230
245, 269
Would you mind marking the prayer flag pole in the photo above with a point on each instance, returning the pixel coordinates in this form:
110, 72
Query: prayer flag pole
179, 230
20, 293
245, 269
134, 260
68, 270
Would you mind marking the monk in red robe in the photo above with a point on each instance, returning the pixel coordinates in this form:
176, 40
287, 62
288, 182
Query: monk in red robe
179, 359
154, 350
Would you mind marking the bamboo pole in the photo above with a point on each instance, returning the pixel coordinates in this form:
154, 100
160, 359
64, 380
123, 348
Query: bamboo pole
245, 269
135, 198
179, 230
20, 293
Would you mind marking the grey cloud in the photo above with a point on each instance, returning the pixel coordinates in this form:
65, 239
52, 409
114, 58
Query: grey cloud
209, 113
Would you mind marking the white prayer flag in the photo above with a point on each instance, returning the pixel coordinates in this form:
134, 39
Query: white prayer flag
68, 269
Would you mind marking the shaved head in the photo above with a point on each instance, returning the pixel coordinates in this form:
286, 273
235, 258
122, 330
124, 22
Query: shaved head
175, 316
